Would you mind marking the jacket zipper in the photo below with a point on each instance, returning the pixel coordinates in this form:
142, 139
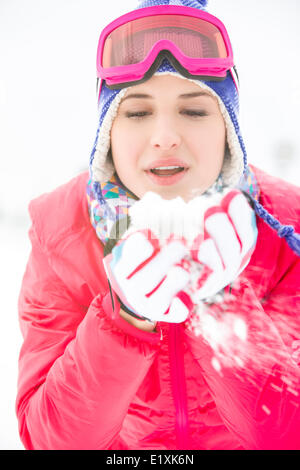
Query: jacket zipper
178, 383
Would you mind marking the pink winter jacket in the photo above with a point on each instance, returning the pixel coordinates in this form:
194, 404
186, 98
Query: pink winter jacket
90, 380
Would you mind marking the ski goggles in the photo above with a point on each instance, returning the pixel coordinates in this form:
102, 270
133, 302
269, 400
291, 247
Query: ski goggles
132, 47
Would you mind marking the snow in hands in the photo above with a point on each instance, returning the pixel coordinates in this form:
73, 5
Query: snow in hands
180, 220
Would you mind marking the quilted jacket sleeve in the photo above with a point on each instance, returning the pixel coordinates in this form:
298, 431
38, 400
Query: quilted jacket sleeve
259, 397
78, 368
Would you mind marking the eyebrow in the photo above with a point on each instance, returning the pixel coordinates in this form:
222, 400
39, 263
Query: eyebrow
194, 94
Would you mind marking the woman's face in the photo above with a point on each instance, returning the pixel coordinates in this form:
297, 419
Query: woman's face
169, 137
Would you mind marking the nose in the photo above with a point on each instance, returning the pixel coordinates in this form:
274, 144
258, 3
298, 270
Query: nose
164, 135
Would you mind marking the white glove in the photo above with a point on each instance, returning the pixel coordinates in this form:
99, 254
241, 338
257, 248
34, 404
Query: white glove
149, 280
230, 235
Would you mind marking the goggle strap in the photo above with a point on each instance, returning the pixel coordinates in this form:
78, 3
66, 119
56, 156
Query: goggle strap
235, 77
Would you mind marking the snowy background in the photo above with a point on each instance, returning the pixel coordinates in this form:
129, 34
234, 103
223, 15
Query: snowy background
48, 119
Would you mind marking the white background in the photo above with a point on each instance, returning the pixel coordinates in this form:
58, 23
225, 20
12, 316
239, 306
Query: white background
48, 119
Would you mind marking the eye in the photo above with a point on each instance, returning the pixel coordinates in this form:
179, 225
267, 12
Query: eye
194, 112
136, 114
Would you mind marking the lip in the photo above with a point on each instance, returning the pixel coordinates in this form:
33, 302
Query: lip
167, 162
166, 180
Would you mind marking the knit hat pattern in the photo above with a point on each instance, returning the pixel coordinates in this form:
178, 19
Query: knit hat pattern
200, 4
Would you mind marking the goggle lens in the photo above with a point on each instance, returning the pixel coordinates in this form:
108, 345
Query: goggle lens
130, 43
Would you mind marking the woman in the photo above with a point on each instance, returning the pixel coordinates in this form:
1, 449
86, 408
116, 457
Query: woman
135, 343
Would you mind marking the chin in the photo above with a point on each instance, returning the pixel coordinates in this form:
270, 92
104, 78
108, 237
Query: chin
186, 194
172, 193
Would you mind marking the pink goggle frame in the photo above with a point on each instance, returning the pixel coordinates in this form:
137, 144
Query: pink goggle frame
134, 44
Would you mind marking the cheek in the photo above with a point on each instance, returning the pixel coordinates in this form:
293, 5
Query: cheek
210, 142
118, 139
127, 144
120, 143
125, 151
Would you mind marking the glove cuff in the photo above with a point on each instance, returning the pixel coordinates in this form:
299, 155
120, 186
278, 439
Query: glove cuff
126, 309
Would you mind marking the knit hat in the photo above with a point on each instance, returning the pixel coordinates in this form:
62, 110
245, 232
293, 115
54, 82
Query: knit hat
235, 165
